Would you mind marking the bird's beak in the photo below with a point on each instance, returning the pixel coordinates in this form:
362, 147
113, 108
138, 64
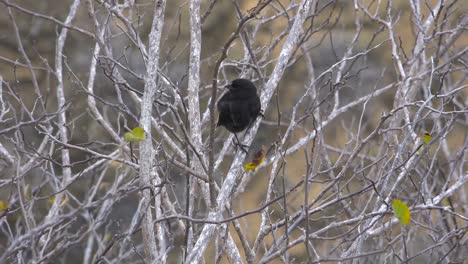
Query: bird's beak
228, 86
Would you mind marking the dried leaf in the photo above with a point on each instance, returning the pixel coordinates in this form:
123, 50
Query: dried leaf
258, 158
27, 192
116, 164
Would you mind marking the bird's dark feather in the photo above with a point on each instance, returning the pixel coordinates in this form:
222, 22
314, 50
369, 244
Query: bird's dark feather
239, 107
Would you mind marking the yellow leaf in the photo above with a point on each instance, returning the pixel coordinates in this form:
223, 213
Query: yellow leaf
3, 205
258, 159
401, 211
107, 237
445, 202
252, 165
426, 138
136, 135
62, 203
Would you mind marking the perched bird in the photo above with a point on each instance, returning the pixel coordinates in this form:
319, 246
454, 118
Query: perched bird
239, 107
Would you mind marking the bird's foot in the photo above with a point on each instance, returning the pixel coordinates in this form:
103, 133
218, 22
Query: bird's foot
243, 147
261, 114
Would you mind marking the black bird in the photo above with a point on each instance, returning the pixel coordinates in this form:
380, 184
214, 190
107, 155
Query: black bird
239, 107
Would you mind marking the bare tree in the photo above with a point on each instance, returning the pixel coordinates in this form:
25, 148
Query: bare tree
110, 151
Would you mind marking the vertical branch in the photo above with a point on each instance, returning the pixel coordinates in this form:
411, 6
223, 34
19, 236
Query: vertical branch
195, 126
194, 110
146, 146
62, 126
348, 53
194, 74
4, 153
119, 79
91, 100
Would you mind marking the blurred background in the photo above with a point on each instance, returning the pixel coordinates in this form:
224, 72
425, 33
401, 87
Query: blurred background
329, 32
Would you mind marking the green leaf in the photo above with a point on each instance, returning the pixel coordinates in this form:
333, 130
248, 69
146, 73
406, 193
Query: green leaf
401, 211
136, 135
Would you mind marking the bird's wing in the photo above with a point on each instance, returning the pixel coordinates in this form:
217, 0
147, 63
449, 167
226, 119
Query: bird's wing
255, 107
238, 113
233, 112
223, 103
223, 117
